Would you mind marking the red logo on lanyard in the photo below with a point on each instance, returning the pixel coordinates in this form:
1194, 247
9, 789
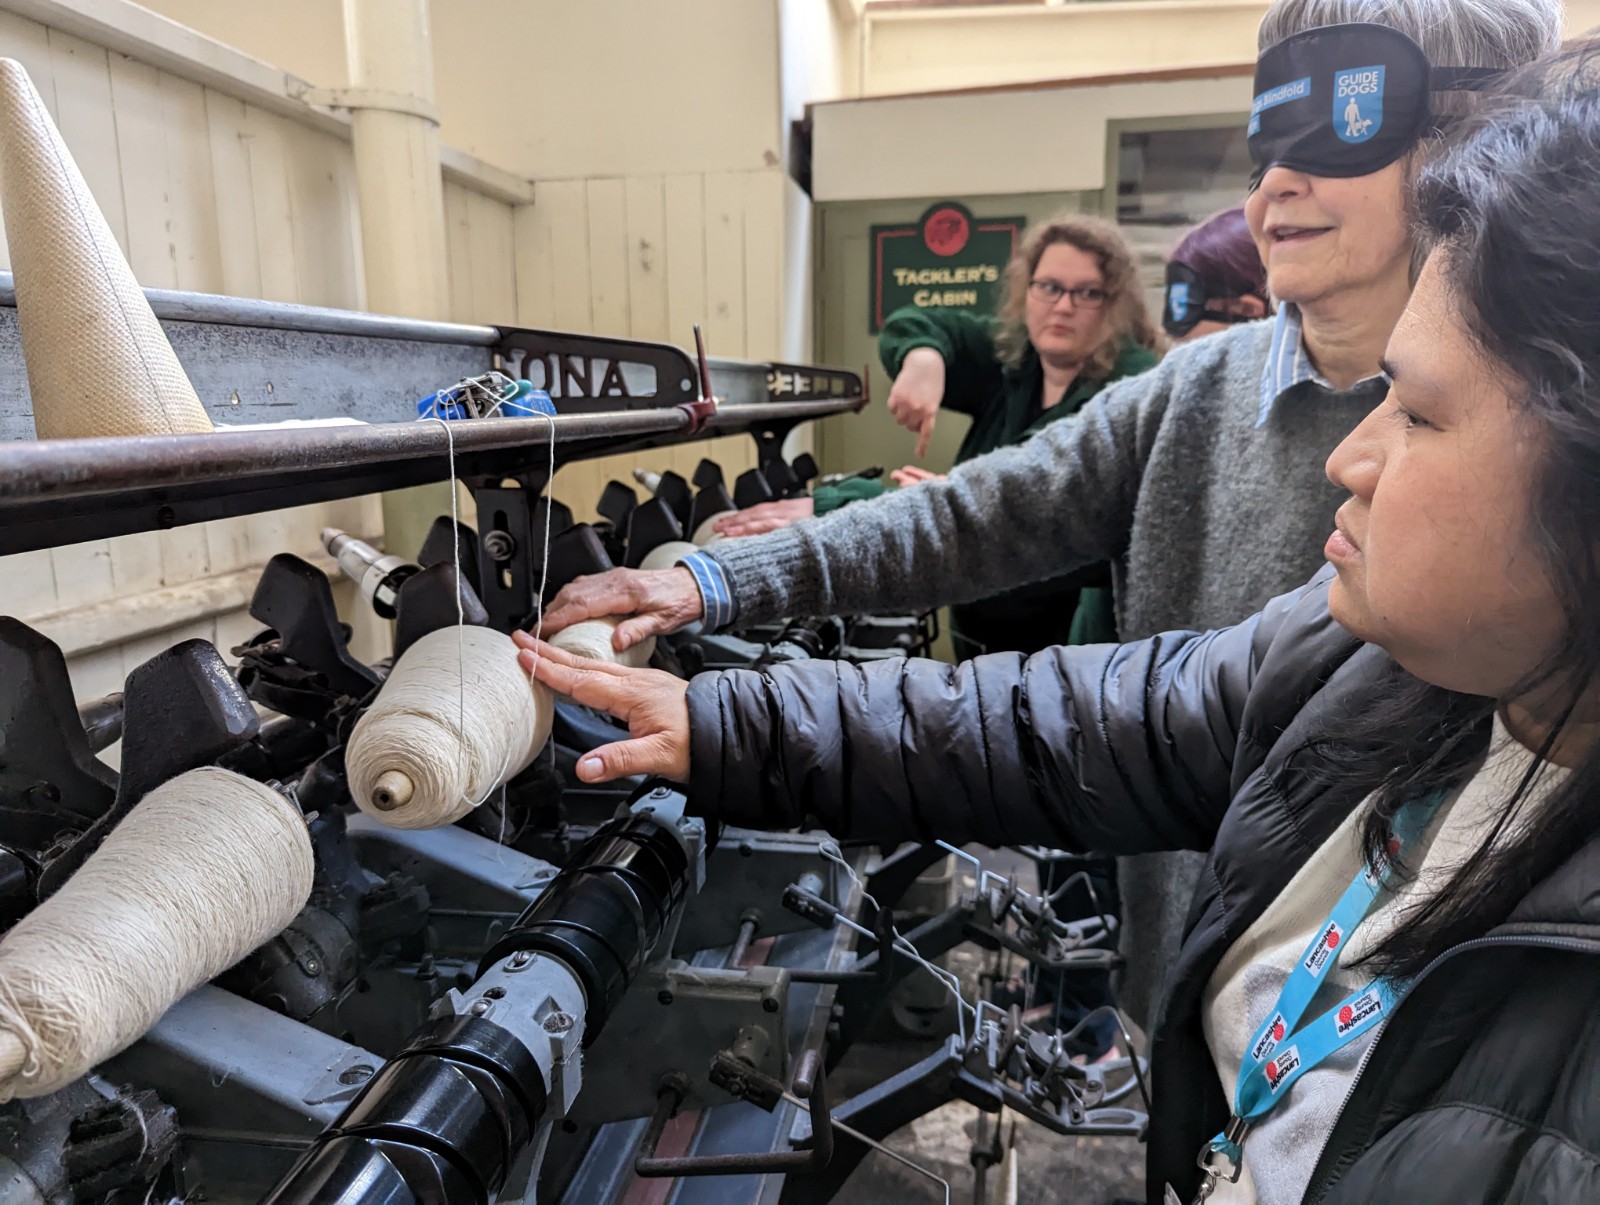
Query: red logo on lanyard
1322, 953
1279, 1068
1360, 1010
1268, 1040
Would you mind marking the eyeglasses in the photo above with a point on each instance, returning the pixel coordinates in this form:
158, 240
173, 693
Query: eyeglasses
1086, 297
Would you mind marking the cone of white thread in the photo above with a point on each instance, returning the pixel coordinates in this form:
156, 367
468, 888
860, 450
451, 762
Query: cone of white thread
98, 361
665, 556
706, 534
203, 870
592, 639
456, 717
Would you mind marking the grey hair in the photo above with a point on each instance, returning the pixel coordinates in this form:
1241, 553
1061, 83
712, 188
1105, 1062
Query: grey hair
1452, 33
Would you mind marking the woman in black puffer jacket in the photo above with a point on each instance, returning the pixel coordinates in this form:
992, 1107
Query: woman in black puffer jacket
1392, 969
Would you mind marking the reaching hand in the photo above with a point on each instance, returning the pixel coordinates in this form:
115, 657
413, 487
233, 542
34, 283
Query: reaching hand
912, 475
916, 393
763, 517
654, 706
658, 600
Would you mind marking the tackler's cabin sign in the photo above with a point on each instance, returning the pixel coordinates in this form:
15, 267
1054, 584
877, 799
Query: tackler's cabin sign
947, 259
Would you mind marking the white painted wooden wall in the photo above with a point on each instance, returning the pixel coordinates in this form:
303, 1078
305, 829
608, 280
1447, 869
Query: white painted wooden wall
205, 193
211, 193
646, 257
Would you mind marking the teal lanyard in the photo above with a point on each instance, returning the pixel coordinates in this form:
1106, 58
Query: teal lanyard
1282, 1049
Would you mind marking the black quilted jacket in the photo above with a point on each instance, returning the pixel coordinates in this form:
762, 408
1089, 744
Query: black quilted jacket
1484, 1086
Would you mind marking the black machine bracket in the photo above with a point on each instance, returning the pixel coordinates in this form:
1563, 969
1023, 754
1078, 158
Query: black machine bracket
585, 374
432, 599
183, 709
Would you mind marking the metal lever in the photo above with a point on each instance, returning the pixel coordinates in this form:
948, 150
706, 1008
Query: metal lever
809, 1084
704, 407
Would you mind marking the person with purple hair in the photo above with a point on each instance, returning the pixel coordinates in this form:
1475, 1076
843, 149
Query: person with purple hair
1215, 278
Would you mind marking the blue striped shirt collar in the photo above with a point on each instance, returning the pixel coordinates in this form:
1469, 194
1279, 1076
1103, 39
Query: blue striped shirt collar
1288, 362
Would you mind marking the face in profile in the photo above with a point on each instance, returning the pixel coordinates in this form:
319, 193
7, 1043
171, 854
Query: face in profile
1062, 327
1435, 553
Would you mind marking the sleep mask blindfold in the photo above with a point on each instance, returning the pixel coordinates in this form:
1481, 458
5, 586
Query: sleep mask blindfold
1187, 297
1346, 100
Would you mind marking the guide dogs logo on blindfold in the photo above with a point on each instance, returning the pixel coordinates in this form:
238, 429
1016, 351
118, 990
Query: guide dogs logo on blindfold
1178, 299
1358, 103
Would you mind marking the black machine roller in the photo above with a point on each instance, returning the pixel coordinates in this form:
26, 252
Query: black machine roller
446, 1118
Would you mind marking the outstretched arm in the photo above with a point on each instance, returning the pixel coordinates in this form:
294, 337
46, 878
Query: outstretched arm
1123, 749
1060, 501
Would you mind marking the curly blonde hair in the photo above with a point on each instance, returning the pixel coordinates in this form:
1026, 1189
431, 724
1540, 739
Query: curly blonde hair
1127, 318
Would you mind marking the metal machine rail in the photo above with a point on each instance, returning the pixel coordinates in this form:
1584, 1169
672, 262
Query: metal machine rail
257, 363
55, 492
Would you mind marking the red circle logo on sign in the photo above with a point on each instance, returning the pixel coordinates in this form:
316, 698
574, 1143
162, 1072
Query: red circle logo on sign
946, 231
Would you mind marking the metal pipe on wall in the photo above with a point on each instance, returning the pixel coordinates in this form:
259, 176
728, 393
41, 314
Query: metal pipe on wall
395, 134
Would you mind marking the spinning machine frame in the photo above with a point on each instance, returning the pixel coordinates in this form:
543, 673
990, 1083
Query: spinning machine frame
651, 963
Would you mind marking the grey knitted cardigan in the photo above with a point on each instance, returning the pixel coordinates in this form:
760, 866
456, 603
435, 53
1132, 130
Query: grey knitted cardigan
1204, 515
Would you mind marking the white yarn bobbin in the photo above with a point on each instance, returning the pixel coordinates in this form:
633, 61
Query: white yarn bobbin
667, 555
592, 639
98, 361
456, 718
203, 870
706, 534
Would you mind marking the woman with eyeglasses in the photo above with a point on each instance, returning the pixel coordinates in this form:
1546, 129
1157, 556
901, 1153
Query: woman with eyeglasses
1073, 320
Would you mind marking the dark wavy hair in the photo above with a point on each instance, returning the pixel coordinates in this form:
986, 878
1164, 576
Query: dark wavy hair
1512, 208
1225, 255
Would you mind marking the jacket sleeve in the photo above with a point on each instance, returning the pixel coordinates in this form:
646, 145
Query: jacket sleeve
1062, 500
826, 499
964, 341
1117, 748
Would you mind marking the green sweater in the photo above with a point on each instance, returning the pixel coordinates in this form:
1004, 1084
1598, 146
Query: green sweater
1003, 403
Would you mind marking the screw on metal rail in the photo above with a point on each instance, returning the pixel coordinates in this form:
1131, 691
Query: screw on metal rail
558, 1022
499, 545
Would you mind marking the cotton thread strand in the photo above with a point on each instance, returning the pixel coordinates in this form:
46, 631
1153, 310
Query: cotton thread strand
410, 765
831, 853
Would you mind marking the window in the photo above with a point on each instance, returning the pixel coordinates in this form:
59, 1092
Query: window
1169, 180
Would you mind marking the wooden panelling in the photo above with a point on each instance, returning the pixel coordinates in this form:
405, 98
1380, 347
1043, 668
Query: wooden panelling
648, 257
209, 193
482, 257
